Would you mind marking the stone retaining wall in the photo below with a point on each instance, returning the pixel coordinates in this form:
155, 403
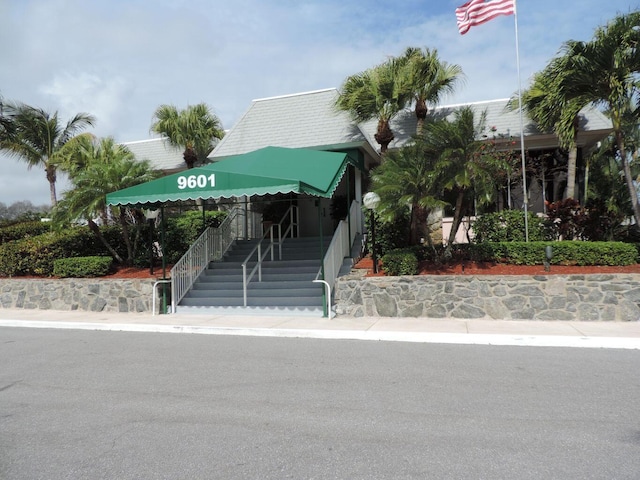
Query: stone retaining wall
540, 297
95, 295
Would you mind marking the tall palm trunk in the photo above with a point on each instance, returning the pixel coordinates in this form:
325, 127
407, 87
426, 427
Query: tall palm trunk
457, 221
572, 160
571, 171
384, 135
421, 114
50, 171
190, 157
633, 192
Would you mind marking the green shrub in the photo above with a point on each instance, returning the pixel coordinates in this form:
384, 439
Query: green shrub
19, 231
564, 253
82, 267
35, 255
183, 230
508, 226
190, 223
389, 235
400, 262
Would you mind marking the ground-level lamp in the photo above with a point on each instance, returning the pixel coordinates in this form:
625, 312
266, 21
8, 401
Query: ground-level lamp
548, 254
370, 202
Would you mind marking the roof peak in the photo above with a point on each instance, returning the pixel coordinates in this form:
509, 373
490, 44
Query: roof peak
462, 104
296, 94
144, 141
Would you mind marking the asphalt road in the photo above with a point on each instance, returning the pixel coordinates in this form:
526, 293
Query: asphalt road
115, 405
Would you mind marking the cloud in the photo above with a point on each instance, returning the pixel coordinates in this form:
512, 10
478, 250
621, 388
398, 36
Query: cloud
119, 60
102, 96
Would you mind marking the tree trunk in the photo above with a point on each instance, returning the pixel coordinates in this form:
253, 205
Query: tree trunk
633, 193
96, 230
457, 221
384, 135
571, 171
125, 235
413, 225
50, 171
421, 114
190, 157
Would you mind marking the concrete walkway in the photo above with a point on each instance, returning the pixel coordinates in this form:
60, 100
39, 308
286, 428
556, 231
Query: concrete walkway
479, 332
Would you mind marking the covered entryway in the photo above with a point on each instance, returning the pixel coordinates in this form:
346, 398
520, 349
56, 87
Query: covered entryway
268, 171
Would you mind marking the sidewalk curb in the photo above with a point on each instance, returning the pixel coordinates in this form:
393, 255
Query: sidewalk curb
389, 336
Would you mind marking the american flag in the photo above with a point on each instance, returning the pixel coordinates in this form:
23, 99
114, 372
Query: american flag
477, 12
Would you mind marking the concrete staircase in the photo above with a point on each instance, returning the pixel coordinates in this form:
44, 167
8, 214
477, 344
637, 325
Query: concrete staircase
287, 286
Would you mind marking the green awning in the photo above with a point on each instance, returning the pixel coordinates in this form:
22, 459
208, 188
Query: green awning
266, 171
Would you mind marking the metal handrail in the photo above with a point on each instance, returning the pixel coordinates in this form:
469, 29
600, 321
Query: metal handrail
211, 245
294, 221
339, 248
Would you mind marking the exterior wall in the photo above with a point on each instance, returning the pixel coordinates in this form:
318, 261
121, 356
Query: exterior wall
545, 297
464, 229
95, 295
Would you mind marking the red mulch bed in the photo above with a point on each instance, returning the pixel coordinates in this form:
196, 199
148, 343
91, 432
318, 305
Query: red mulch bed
135, 272
473, 268
121, 272
468, 268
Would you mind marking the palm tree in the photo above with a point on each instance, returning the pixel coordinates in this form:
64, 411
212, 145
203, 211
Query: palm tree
607, 195
428, 79
6, 126
604, 72
552, 113
468, 168
38, 137
408, 180
193, 129
375, 93
106, 167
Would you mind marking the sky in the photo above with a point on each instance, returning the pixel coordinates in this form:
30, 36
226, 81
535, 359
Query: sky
120, 59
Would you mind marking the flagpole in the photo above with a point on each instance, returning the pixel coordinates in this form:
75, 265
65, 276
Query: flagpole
524, 171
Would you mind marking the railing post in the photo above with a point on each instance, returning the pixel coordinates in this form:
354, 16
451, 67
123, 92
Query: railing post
244, 284
279, 243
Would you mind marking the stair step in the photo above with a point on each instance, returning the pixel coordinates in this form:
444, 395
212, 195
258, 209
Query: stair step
255, 285
230, 264
266, 277
262, 311
255, 293
286, 287
252, 301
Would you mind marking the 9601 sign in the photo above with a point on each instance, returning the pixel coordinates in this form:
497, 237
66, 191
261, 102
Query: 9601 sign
196, 181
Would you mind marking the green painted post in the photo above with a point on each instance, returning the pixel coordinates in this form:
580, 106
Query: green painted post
164, 261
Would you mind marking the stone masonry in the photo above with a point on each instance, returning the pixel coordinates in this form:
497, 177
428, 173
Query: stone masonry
600, 297
95, 295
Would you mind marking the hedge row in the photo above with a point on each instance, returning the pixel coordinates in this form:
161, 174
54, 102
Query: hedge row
36, 255
405, 261
563, 253
31, 249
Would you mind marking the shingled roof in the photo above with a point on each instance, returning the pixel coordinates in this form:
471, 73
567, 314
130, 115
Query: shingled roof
304, 120
160, 154
502, 122
310, 120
